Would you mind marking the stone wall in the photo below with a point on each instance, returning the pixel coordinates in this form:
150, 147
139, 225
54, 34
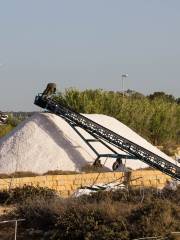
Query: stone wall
65, 185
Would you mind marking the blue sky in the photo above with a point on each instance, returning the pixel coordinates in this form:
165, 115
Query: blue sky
87, 44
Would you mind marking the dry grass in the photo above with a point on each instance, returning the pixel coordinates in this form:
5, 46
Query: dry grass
103, 215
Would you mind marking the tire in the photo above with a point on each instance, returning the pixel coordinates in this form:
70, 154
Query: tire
115, 166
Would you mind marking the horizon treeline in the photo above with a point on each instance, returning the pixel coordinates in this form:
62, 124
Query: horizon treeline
156, 117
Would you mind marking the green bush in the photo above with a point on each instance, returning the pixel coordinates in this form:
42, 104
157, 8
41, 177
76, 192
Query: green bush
156, 218
155, 117
92, 168
18, 195
4, 196
130, 195
90, 222
104, 215
39, 212
60, 172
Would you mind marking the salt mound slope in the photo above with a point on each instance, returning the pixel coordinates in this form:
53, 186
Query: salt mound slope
46, 142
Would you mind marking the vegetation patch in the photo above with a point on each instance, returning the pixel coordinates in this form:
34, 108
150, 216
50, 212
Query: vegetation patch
155, 117
19, 195
122, 214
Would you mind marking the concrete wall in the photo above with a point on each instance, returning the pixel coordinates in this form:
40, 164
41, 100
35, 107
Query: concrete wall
65, 185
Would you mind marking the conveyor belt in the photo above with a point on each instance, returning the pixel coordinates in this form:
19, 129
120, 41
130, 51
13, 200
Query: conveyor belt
109, 136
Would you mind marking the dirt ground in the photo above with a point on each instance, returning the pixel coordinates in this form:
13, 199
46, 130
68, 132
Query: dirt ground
6, 229
5, 209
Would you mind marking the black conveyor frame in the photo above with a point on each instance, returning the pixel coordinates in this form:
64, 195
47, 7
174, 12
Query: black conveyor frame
100, 132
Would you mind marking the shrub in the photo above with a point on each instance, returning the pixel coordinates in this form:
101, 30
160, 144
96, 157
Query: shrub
39, 212
90, 222
123, 195
60, 172
18, 175
92, 168
4, 195
18, 195
103, 215
155, 218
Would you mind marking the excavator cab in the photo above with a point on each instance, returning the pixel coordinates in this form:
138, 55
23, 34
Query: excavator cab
50, 90
42, 98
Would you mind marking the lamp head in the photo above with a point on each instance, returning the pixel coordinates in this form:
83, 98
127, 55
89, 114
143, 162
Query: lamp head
125, 75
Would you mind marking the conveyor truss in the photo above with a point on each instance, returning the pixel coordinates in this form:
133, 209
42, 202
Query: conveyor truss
108, 138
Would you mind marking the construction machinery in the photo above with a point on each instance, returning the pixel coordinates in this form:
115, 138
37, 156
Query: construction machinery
108, 138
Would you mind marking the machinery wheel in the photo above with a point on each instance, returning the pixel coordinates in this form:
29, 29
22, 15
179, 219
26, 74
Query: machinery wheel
97, 163
117, 164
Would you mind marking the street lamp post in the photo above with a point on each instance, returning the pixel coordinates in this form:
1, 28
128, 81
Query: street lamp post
123, 76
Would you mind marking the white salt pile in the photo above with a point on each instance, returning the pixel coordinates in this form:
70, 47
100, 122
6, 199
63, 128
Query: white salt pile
46, 142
